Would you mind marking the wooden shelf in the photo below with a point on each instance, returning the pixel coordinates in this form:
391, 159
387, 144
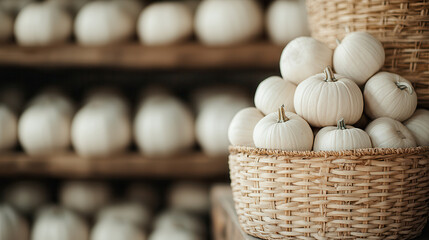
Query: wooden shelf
190, 165
133, 55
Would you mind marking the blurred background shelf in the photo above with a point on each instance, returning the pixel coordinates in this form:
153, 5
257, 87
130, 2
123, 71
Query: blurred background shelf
189, 165
260, 55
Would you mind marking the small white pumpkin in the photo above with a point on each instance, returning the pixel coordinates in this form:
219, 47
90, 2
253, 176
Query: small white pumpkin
101, 128
286, 20
358, 57
143, 193
240, 131
85, 197
205, 96
165, 23
58, 223
116, 229
6, 26
176, 221
389, 95
130, 211
26, 196
226, 22
8, 128
324, 98
341, 138
40, 24
212, 123
388, 133
304, 57
163, 126
44, 127
284, 131
103, 22
189, 197
12, 225
274, 92
418, 124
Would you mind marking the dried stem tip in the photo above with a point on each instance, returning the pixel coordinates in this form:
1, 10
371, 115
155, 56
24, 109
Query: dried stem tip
282, 115
341, 125
329, 74
405, 86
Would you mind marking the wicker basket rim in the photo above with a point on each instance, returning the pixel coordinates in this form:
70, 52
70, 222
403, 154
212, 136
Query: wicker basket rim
310, 154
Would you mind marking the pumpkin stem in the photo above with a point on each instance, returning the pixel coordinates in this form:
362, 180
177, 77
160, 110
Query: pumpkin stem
338, 41
405, 85
341, 125
329, 75
282, 115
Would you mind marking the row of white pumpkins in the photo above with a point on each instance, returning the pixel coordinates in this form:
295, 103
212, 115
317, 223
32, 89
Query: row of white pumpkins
217, 22
128, 219
163, 124
287, 107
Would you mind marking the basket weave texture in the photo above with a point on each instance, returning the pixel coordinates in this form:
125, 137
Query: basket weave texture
402, 26
359, 194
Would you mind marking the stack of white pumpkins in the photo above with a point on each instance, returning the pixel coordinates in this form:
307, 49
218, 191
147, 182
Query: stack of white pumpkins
162, 126
127, 219
310, 94
101, 22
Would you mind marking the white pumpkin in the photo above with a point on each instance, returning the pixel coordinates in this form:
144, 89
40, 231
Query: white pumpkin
226, 22
14, 6
418, 124
58, 223
129, 211
213, 121
283, 131
341, 138
44, 127
177, 221
274, 92
103, 22
40, 24
102, 128
165, 23
85, 197
240, 131
144, 194
304, 57
389, 95
389, 133
12, 225
116, 229
6, 26
324, 98
189, 197
26, 196
163, 126
358, 57
8, 128
286, 20
205, 96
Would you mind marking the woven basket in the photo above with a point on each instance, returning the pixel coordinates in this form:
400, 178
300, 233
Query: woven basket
360, 194
402, 26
